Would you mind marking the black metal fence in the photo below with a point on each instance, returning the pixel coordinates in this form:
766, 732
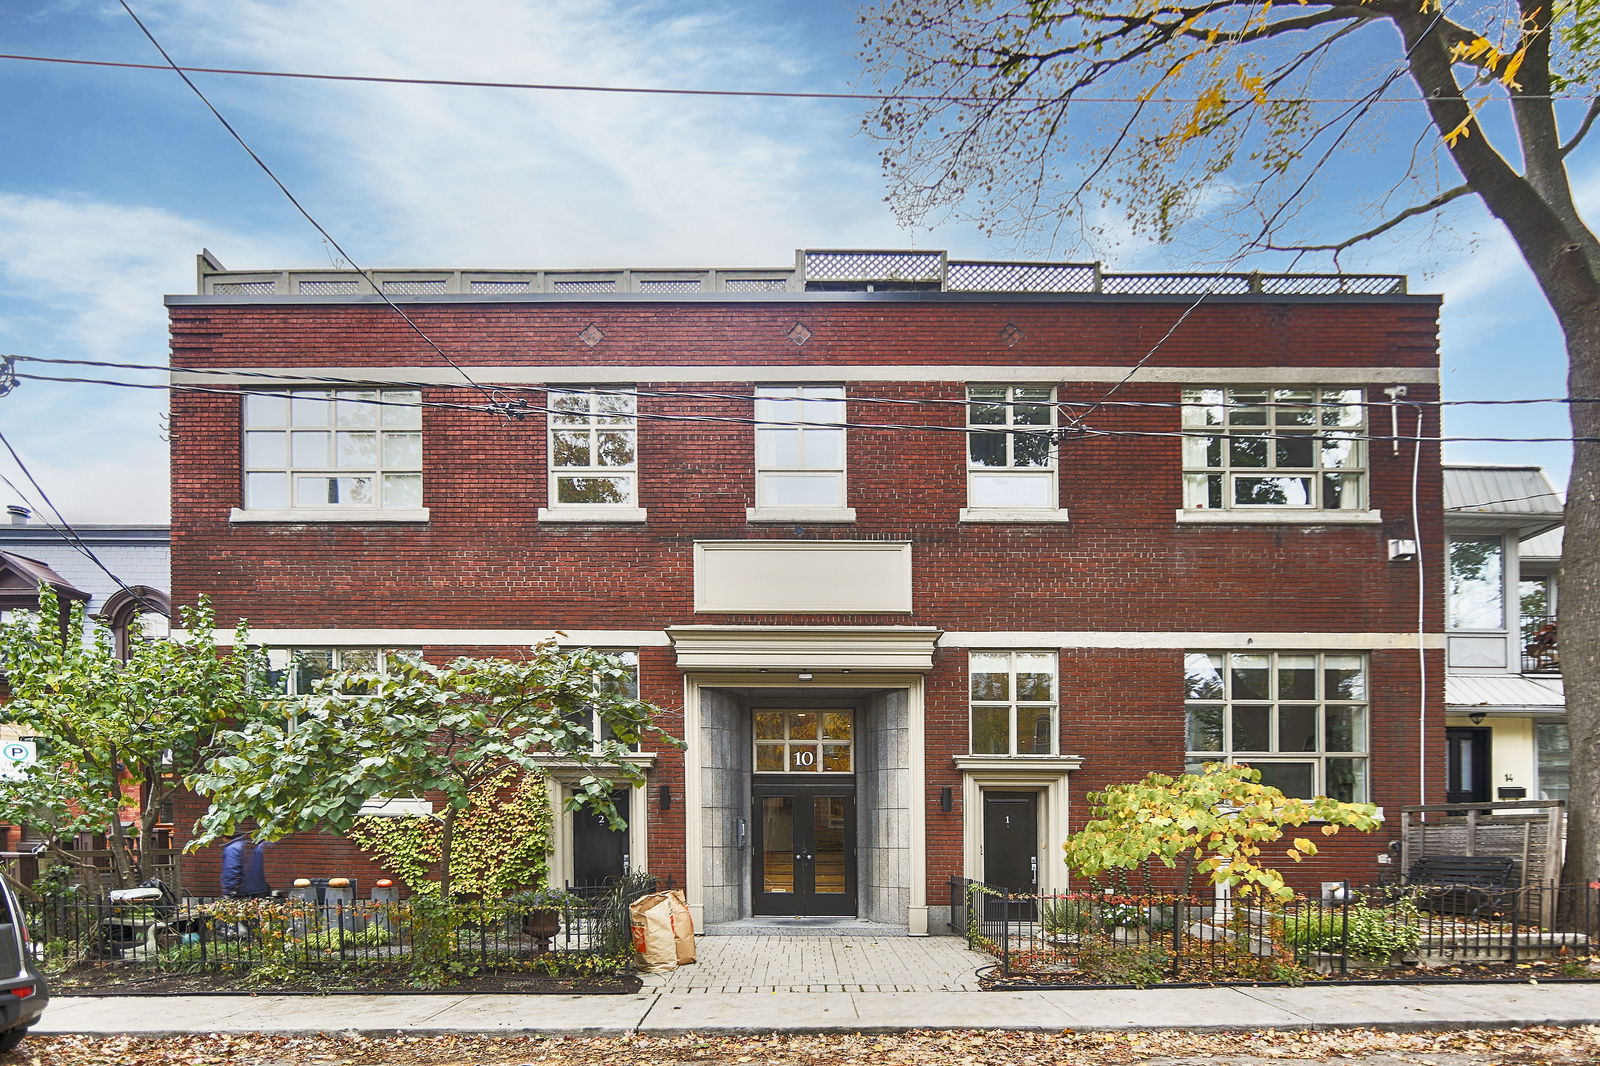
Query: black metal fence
1099, 938
419, 935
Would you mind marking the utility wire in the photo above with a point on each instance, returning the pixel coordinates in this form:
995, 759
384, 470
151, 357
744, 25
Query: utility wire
639, 90
503, 407
267, 170
290, 377
66, 532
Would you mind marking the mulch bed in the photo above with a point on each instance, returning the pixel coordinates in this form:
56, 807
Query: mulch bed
114, 979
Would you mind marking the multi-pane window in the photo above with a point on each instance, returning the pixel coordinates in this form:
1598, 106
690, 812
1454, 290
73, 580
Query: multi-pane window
294, 671
628, 686
333, 448
1298, 717
1261, 447
1013, 702
804, 742
799, 446
1010, 458
594, 457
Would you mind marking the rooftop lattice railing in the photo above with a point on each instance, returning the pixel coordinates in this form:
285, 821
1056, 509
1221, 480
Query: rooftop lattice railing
812, 270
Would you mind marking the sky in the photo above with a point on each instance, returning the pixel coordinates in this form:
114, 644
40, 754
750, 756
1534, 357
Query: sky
114, 179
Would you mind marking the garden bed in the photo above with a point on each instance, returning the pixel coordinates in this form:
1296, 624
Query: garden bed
122, 979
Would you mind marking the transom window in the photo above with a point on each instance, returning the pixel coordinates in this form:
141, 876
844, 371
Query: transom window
1010, 460
804, 742
799, 447
1298, 717
594, 448
1013, 702
1274, 448
293, 671
339, 448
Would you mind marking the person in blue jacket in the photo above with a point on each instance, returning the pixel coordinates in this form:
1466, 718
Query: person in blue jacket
233, 863
255, 873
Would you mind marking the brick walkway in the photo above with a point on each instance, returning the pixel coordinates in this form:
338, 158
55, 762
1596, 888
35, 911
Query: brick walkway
825, 964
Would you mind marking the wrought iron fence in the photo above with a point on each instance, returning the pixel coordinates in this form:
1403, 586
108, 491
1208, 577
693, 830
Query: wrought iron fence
589, 933
1541, 648
1437, 932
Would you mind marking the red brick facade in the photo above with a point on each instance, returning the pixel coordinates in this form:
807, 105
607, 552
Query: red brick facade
483, 561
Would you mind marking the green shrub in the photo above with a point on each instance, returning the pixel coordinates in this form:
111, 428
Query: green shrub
1367, 932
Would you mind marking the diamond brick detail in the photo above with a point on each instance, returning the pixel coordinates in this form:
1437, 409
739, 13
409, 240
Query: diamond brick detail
1011, 334
591, 335
799, 334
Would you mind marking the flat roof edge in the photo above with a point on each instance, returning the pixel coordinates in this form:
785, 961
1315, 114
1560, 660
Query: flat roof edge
191, 300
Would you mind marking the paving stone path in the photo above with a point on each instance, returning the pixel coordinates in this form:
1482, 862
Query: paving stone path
825, 964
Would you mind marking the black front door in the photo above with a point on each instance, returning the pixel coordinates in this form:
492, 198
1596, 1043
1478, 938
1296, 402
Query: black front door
1011, 851
804, 852
600, 853
1466, 778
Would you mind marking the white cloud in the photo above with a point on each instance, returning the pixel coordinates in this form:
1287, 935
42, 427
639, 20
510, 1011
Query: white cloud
482, 177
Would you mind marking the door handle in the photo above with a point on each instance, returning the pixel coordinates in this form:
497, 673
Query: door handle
1033, 866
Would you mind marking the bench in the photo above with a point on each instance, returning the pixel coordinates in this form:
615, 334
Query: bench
1463, 884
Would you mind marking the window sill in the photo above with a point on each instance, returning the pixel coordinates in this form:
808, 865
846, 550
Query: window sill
396, 807
592, 514
799, 514
981, 763
321, 514
1284, 517
1013, 514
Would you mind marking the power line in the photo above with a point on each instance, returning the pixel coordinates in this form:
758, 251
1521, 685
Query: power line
928, 401
267, 170
66, 532
775, 94
1332, 433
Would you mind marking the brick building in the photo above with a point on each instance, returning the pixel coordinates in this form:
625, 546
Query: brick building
904, 588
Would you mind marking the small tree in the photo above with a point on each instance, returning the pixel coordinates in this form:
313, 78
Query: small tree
115, 736
1217, 821
422, 728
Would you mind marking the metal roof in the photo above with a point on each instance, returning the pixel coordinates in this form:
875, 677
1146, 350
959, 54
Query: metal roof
1503, 692
1506, 495
1544, 546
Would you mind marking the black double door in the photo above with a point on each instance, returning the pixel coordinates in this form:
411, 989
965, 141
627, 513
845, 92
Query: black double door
1011, 852
803, 849
599, 852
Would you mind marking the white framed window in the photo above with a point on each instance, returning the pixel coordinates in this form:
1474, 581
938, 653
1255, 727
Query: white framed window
1298, 717
800, 447
1260, 447
629, 687
594, 453
337, 450
1475, 585
294, 671
1012, 706
1011, 461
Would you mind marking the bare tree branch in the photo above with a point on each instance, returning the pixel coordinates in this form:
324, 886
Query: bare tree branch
1413, 211
1588, 122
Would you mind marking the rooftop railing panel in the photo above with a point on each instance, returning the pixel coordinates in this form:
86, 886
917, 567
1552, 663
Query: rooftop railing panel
825, 269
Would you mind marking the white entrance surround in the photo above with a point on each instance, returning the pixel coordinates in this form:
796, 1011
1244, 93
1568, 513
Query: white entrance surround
832, 657
560, 776
1046, 775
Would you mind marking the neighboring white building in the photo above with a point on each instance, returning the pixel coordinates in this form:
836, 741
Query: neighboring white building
139, 555
1506, 729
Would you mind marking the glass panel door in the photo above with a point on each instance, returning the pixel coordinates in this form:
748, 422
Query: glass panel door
803, 853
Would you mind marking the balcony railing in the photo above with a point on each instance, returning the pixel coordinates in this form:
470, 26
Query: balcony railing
1541, 653
813, 270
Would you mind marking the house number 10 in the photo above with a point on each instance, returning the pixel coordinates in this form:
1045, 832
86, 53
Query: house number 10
805, 758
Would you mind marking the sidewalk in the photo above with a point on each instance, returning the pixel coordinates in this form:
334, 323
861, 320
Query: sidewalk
708, 1011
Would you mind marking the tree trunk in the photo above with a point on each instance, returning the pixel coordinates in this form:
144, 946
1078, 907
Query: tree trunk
1578, 600
446, 837
123, 871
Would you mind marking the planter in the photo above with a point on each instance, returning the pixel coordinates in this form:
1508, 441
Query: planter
542, 924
